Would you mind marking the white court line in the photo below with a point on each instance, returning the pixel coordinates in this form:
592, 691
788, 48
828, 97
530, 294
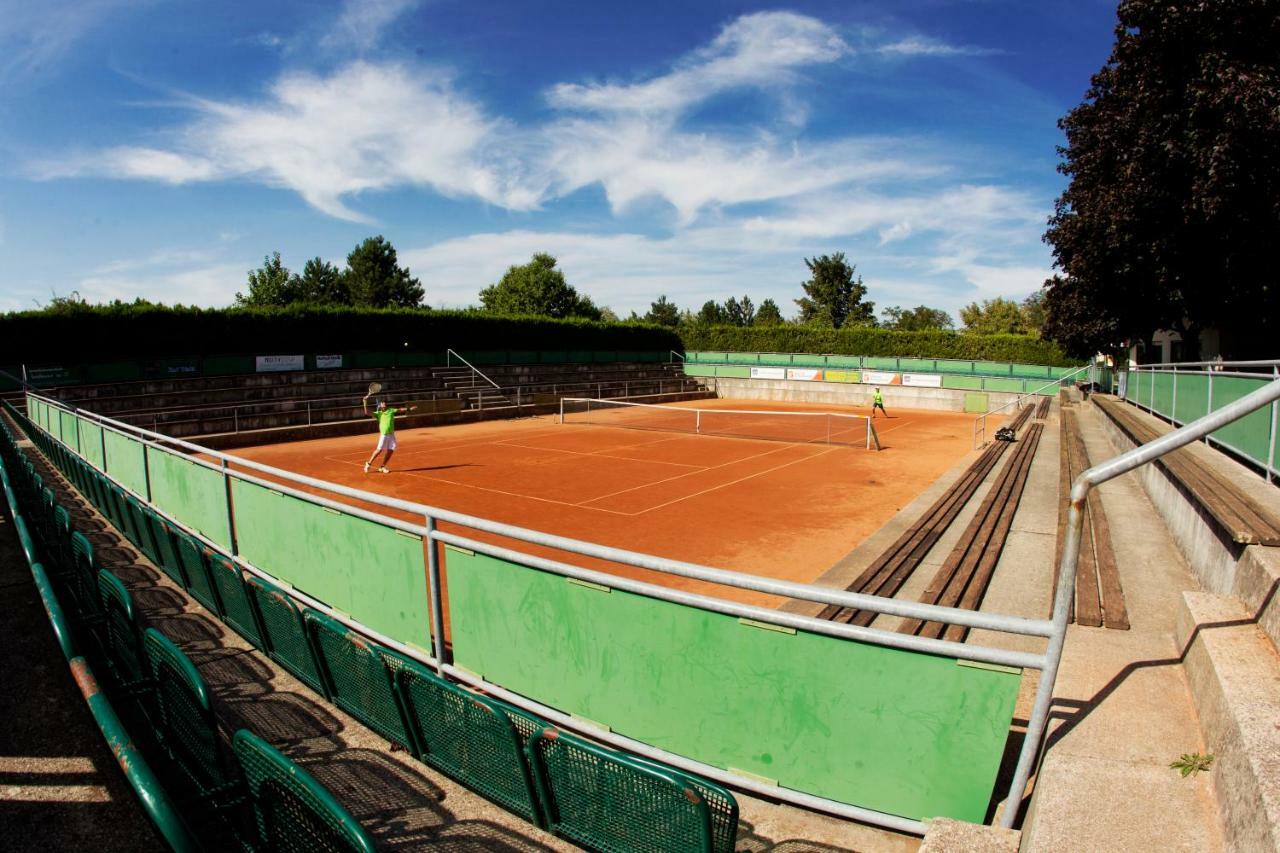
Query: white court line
598, 455
734, 482
686, 474
891, 429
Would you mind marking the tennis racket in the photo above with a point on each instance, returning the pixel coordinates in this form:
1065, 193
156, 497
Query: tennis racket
374, 388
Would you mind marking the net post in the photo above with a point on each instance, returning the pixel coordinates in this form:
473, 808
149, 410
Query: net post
868, 434
562, 410
697, 421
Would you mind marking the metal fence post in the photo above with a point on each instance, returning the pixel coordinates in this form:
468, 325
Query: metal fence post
1173, 414
308, 413
231, 518
235, 419
436, 602
1208, 409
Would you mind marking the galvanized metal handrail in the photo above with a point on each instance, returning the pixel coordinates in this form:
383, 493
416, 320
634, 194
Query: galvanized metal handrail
981, 420
1098, 474
452, 354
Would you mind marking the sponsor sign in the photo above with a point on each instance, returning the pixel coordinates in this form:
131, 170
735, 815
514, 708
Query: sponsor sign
806, 374
922, 380
768, 373
324, 361
270, 363
879, 377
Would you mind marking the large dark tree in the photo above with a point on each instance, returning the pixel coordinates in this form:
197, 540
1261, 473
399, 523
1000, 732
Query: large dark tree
663, 312
374, 277
833, 296
769, 314
537, 288
1173, 208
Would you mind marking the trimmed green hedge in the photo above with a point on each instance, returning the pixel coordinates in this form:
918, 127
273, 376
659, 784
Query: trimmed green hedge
1022, 349
98, 333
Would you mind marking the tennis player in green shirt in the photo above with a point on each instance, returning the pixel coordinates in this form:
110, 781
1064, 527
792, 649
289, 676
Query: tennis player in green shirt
877, 402
386, 418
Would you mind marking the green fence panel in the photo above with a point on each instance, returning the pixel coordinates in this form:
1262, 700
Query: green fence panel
872, 362
652, 356
374, 573
734, 371
849, 361
1011, 386
604, 356
91, 443
226, 365
70, 435
918, 365
191, 493
962, 383
1251, 435
842, 375
373, 360
113, 371
579, 356
125, 461
699, 369
522, 357
553, 357
418, 358
1161, 398
992, 368
899, 732
802, 360
1192, 397
1032, 371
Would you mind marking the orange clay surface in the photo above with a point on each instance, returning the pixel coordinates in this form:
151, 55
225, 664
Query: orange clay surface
770, 508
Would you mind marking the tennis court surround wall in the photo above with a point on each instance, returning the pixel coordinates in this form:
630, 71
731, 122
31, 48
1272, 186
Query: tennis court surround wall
904, 733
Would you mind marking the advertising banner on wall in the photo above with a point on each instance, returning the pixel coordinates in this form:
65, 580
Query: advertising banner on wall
768, 373
880, 377
270, 363
805, 374
326, 361
922, 380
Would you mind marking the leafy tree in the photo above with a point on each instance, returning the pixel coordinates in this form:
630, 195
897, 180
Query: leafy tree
374, 278
997, 316
663, 312
739, 313
270, 284
916, 319
321, 282
537, 288
1172, 211
1033, 312
608, 315
768, 314
710, 314
833, 297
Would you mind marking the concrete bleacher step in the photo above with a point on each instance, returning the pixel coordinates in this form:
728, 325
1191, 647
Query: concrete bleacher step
1257, 585
1233, 669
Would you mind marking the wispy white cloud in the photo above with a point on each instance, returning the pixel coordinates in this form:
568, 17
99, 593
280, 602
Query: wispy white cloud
361, 24
915, 46
759, 50
36, 37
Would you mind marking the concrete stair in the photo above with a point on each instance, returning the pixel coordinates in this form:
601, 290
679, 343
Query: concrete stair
1233, 669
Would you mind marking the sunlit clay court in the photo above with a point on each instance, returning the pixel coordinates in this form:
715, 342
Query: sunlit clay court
784, 492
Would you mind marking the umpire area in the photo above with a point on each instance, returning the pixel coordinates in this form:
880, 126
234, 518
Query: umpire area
780, 509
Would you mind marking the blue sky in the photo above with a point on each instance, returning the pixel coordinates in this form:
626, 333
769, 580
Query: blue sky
696, 149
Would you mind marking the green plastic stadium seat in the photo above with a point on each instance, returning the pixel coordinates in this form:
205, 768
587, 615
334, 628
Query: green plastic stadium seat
469, 737
237, 609
195, 568
292, 811
286, 638
356, 678
185, 721
605, 800
85, 589
141, 529
126, 655
166, 548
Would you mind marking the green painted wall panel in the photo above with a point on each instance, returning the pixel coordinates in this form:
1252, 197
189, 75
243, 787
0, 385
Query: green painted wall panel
125, 461
91, 443
553, 356
918, 365
1013, 386
899, 732
848, 361
191, 493
699, 369
69, 435
991, 368
1251, 434
734, 371
1162, 398
579, 356
976, 403
372, 572
800, 360
225, 365
877, 363
964, 383
1192, 397
115, 371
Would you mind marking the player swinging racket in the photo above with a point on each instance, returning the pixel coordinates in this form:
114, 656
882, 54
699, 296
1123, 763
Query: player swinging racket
877, 402
386, 418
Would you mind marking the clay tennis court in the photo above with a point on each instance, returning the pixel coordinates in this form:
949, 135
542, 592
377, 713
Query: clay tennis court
783, 509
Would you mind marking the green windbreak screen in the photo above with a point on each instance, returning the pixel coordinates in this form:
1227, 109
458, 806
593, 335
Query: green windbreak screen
191, 493
91, 443
1251, 435
125, 463
895, 731
374, 573
69, 435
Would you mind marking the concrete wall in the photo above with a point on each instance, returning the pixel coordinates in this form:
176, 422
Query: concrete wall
850, 394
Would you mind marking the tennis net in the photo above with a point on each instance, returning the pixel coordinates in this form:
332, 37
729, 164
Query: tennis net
797, 427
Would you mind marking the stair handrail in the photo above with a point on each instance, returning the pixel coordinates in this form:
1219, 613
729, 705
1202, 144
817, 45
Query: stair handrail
452, 354
1063, 595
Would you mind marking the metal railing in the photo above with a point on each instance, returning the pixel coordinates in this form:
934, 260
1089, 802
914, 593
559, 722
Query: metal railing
449, 355
1259, 370
1267, 395
980, 422
293, 484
